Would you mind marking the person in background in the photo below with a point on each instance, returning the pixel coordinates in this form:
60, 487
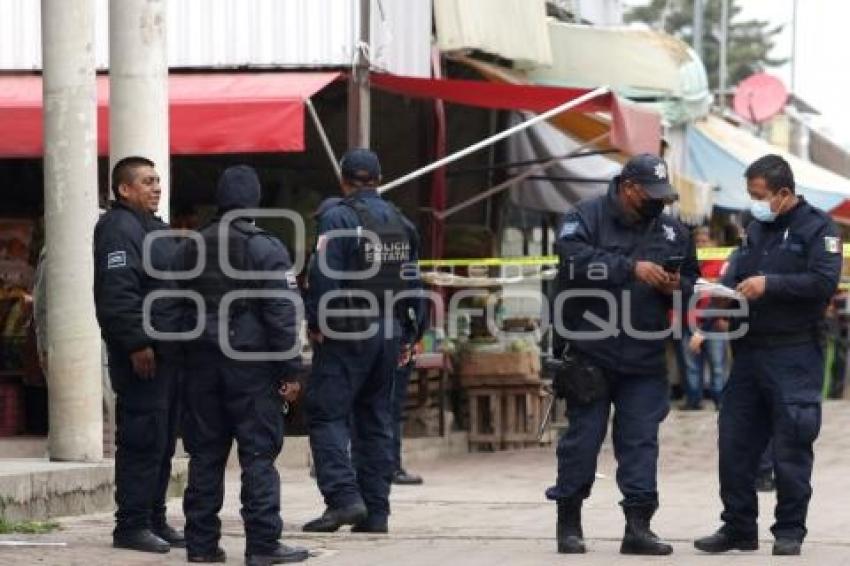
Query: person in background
406, 364
699, 350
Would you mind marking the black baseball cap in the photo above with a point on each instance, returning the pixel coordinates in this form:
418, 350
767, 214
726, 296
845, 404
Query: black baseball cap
650, 172
360, 164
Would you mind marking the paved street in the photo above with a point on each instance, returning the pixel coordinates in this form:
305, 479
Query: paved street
488, 509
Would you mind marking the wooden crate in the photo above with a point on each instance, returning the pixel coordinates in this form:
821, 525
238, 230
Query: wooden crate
500, 364
504, 417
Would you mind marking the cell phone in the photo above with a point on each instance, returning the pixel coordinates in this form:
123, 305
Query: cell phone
673, 263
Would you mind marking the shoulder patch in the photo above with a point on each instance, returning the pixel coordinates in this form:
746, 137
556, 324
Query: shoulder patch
291, 280
832, 244
568, 229
116, 259
669, 233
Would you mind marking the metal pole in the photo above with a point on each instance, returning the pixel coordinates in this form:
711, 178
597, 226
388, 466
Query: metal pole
70, 208
724, 39
138, 86
697, 31
493, 139
324, 137
359, 96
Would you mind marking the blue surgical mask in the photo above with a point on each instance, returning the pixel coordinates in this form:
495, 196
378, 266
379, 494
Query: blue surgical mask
761, 211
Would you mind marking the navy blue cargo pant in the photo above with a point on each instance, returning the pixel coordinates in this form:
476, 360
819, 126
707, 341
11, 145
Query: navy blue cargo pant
772, 392
348, 402
225, 400
641, 402
146, 416
402, 378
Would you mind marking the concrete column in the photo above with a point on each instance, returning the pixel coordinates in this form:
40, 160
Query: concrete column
70, 208
138, 86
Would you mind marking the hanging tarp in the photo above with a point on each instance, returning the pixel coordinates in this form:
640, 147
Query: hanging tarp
635, 62
633, 129
719, 153
570, 180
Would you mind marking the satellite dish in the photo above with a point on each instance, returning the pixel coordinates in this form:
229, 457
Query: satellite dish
759, 97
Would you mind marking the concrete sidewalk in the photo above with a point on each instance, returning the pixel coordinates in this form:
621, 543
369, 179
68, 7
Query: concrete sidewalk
489, 509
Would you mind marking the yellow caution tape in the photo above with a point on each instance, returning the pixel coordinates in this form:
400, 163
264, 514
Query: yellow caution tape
490, 261
703, 254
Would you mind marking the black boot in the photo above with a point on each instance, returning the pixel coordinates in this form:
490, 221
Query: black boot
170, 535
639, 539
787, 547
216, 556
401, 477
332, 519
374, 525
282, 555
142, 540
569, 533
724, 541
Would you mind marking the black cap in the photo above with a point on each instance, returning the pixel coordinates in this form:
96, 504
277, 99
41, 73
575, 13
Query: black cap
650, 172
238, 187
360, 165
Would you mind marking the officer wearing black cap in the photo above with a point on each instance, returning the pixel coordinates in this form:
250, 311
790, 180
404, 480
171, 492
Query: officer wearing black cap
613, 251
347, 399
787, 269
236, 375
143, 370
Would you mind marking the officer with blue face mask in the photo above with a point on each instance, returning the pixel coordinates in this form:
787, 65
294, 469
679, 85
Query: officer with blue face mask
787, 269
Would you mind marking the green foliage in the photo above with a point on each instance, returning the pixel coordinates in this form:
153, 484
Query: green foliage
27, 527
749, 46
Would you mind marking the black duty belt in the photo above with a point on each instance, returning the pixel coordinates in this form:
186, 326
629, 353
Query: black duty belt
778, 340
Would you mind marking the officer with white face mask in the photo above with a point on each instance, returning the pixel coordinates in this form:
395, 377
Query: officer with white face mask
787, 269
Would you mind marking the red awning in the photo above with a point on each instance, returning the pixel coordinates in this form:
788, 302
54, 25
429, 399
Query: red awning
216, 113
634, 129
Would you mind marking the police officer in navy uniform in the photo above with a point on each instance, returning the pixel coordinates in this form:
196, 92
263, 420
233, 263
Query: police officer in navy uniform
144, 372
347, 399
415, 323
617, 245
227, 396
787, 269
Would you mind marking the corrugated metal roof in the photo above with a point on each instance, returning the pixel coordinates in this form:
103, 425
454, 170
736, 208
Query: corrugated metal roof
250, 33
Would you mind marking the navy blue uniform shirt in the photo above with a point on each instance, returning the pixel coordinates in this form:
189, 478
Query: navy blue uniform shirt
598, 246
121, 282
799, 254
341, 255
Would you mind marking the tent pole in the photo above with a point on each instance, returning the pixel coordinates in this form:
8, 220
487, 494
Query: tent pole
324, 137
603, 90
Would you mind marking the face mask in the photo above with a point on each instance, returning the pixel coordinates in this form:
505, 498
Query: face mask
651, 208
761, 211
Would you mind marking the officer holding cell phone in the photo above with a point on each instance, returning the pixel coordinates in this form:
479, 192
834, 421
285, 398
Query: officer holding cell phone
620, 263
